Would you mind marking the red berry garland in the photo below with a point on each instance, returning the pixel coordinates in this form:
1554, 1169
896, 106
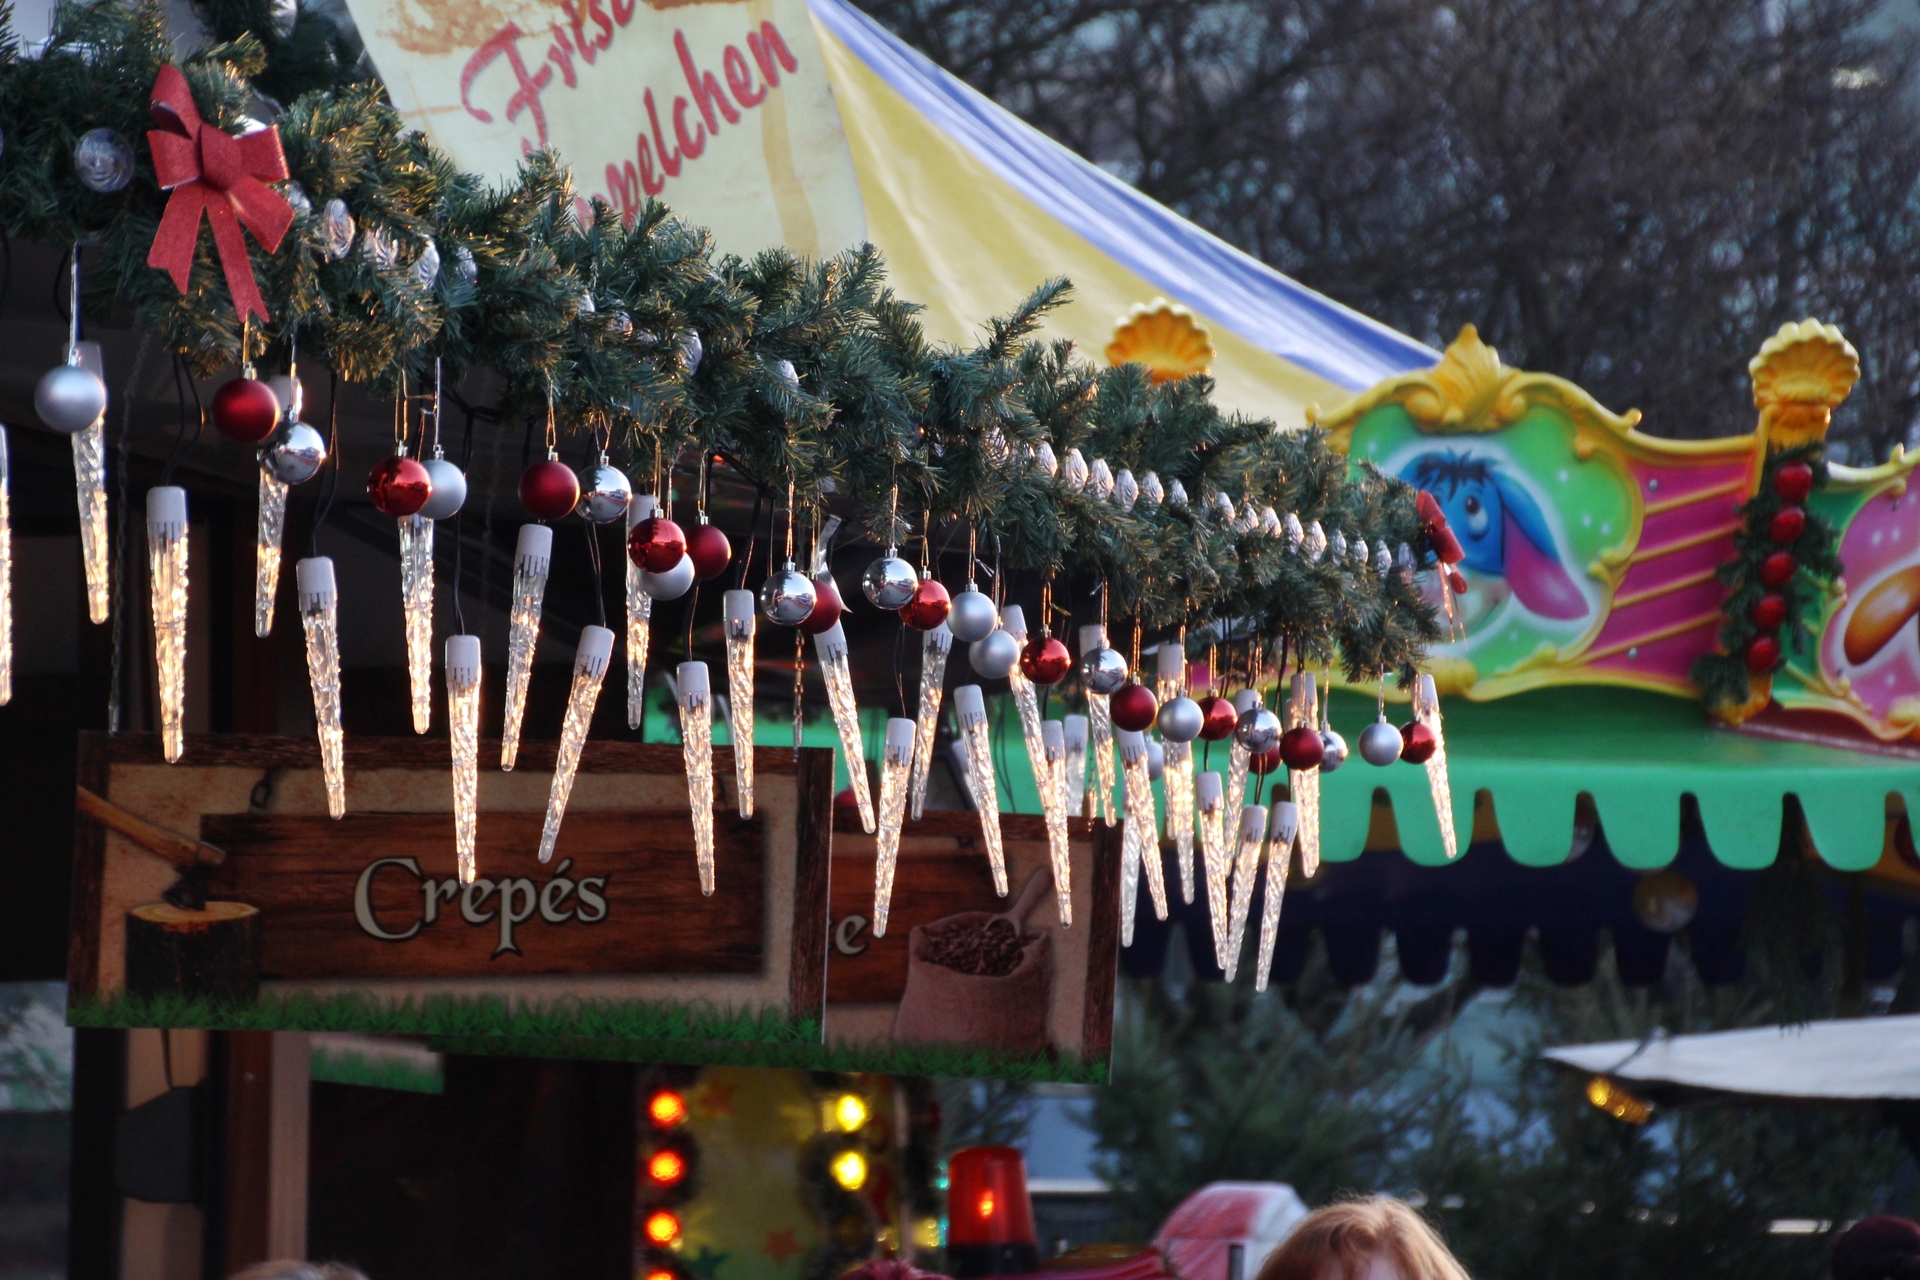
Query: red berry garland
1787, 525
1793, 481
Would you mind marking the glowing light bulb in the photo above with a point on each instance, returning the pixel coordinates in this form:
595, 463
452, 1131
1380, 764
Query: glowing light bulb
1026, 701
1140, 837
986, 1204
532, 561
1426, 709
850, 1170
666, 1108
1076, 764
463, 725
416, 602
90, 492
1303, 785
666, 1168
1286, 821
1210, 803
639, 622
6, 580
850, 1111
589, 670
896, 765
739, 612
269, 532
1054, 740
320, 617
972, 710
935, 645
1176, 779
696, 746
662, 1228
167, 573
830, 646
1246, 864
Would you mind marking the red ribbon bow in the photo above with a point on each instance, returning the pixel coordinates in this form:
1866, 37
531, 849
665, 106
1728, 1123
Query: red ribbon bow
221, 174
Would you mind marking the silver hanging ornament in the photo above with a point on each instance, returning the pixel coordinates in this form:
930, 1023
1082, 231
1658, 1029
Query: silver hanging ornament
1333, 751
788, 597
586, 306
692, 351
464, 266
379, 247
103, 161
69, 399
604, 493
296, 198
449, 487
672, 584
336, 230
294, 453
1258, 731
1104, 670
1380, 744
426, 268
994, 656
889, 582
972, 616
1180, 719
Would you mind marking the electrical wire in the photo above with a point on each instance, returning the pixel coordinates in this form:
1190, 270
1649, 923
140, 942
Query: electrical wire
333, 459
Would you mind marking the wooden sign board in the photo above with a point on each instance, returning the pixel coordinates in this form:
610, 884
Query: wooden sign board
360, 923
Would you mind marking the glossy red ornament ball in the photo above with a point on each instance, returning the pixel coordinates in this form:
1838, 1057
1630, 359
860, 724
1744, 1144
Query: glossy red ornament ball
1217, 718
1787, 524
1302, 748
399, 486
929, 606
1418, 742
1763, 654
827, 606
1793, 481
709, 550
656, 544
1045, 660
246, 410
549, 490
1266, 762
1134, 707
1769, 611
1777, 569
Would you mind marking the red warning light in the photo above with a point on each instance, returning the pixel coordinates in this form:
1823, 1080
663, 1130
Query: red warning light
665, 1168
662, 1228
661, 1273
987, 1200
667, 1108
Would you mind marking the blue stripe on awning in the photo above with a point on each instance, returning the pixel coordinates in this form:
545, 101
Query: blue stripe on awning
1189, 264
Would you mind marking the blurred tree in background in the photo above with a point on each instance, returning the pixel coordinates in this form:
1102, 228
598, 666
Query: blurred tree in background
1630, 193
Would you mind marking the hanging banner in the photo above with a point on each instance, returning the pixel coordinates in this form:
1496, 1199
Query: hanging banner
721, 108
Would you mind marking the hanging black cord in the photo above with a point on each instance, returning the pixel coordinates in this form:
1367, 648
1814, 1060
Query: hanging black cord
899, 663
60, 295
182, 385
459, 519
333, 457
599, 584
753, 532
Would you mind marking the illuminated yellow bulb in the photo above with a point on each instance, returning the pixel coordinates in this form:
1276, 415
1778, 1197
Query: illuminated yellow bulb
1617, 1102
850, 1111
850, 1170
663, 1228
926, 1233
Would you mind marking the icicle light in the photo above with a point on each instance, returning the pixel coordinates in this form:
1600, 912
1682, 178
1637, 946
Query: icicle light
532, 560
696, 745
639, 622
320, 616
269, 532
1252, 829
589, 670
1140, 838
738, 609
463, 727
1239, 759
1100, 734
1076, 764
971, 708
6, 580
1210, 803
416, 602
1303, 785
1176, 780
896, 771
90, 492
830, 647
1026, 700
1169, 672
1053, 737
1426, 709
935, 645
167, 573
1286, 821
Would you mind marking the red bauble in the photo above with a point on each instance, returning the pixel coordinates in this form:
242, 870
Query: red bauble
709, 550
1418, 742
1777, 569
1793, 481
1133, 707
1763, 654
1266, 762
1217, 718
399, 486
1787, 524
1769, 611
1045, 660
246, 410
549, 490
827, 606
1302, 748
929, 606
656, 543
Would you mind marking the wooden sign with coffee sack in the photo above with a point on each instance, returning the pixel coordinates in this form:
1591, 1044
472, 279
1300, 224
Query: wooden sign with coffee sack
218, 892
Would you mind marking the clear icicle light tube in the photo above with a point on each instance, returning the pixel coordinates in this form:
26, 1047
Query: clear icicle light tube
696, 745
320, 616
589, 670
1426, 709
90, 492
830, 647
971, 708
1177, 780
1053, 737
739, 612
463, 726
1140, 837
1286, 820
1209, 800
1076, 763
532, 561
639, 622
1026, 700
935, 646
269, 533
896, 770
1304, 784
1100, 733
416, 602
6, 580
167, 574
1239, 759
1252, 830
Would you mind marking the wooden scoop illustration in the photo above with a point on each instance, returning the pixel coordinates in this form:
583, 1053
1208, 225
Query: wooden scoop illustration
1886, 607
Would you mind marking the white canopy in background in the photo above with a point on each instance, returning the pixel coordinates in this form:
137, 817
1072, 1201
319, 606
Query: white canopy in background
1855, 1059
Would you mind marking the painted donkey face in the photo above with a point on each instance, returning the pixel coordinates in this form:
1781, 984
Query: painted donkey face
1501, 529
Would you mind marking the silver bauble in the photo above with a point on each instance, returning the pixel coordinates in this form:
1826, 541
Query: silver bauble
1258, 730
1380, 743
972, 616
103, 161
670, 585
449, 490
692, 352
1333, 751
379, 247
1103, 670
890, 582
295, 452
426, 268
787, 597
70, 399
995, 656
605, 493
296, 197
464, 266
1180, 719
1156, 760
336, 230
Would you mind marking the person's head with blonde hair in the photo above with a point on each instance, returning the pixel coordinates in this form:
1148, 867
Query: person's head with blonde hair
1375, 1238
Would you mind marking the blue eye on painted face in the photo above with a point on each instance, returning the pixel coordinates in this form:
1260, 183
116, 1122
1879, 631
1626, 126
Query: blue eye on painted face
1477, 520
